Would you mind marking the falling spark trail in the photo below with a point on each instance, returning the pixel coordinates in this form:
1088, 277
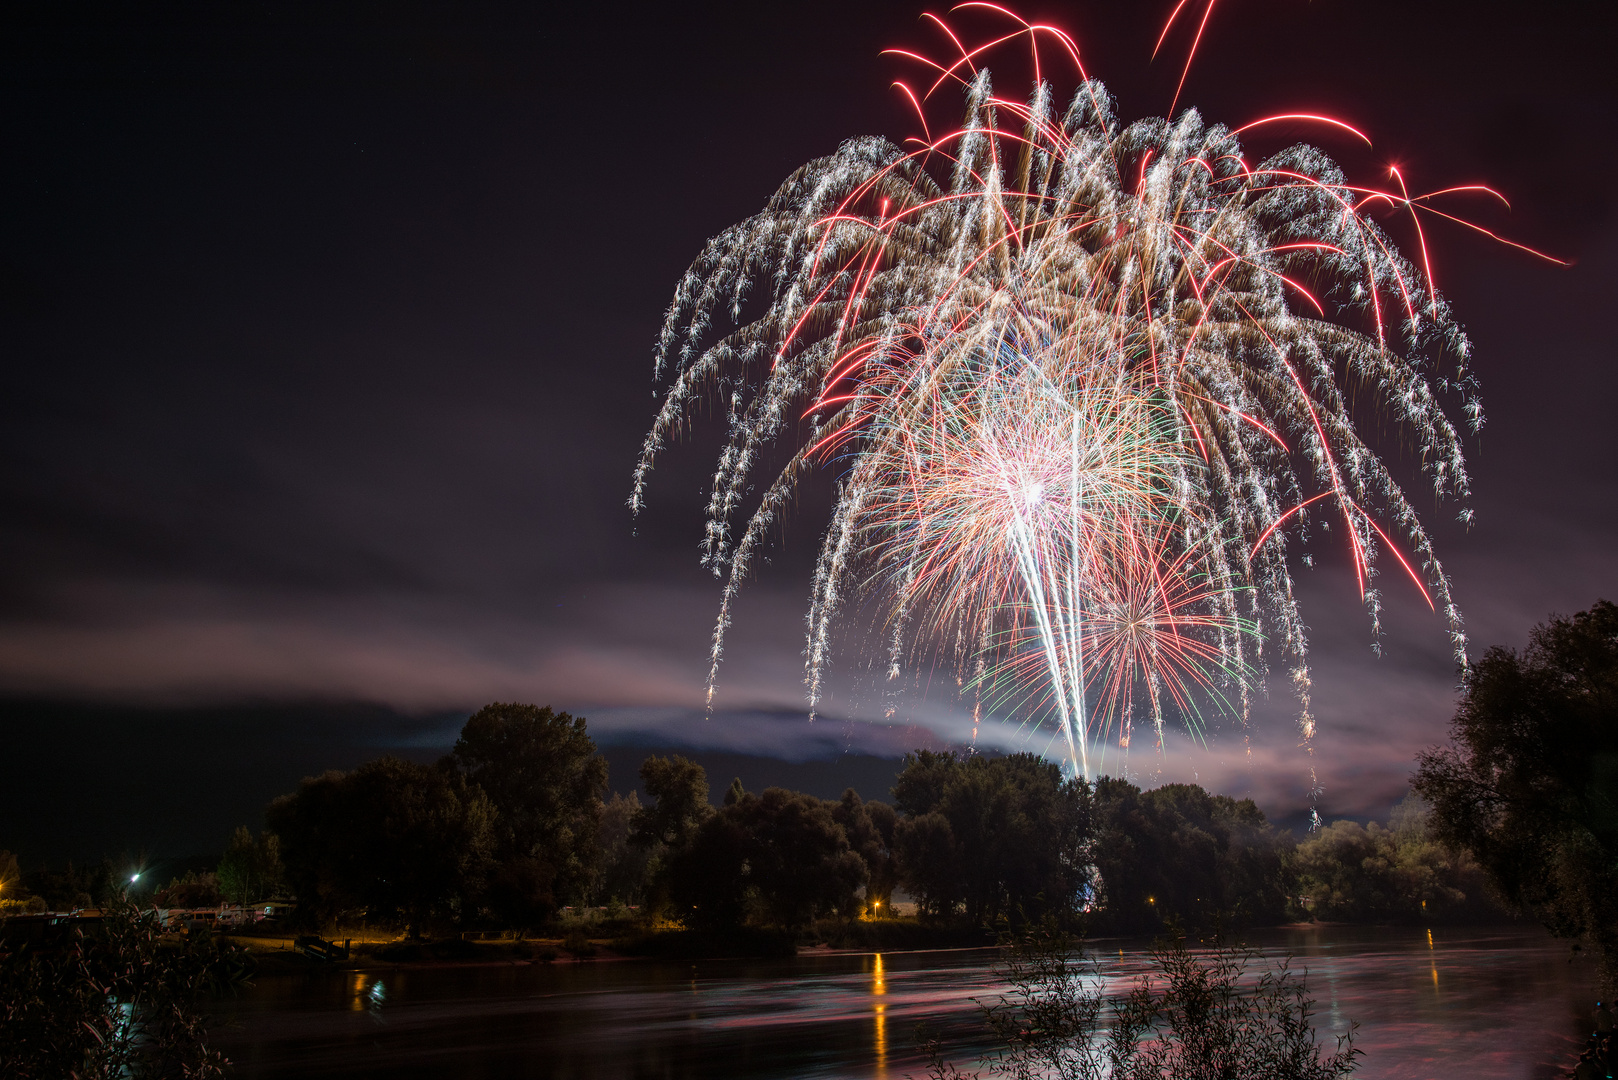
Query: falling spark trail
1081, 383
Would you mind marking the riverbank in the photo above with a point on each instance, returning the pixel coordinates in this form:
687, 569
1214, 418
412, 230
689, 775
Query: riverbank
595, 939
605, 941
1469, 1003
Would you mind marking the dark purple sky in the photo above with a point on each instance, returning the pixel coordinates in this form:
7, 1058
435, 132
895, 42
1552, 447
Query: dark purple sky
326, 354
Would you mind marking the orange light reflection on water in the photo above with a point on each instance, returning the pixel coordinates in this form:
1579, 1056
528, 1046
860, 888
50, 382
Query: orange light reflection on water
879, 987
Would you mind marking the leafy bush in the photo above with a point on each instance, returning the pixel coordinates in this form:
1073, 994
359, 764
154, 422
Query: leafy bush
113, 1001
1529, 781
1399, 873
1200, 1018
579, 944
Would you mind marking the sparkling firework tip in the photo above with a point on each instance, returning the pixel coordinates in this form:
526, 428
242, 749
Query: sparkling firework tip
1081, 382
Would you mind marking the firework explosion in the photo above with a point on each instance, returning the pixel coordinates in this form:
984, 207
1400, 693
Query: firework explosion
1082, 382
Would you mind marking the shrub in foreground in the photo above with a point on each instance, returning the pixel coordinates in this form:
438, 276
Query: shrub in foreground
113, 1002
1200, 1015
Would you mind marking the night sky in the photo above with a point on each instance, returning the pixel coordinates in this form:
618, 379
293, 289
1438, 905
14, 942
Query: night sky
325, 356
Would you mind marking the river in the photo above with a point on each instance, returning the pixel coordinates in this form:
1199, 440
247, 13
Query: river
1478, 1004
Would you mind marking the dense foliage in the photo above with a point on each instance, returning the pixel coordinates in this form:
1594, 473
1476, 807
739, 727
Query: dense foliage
624, 863
251, 867
189, 890
997, 838
779, 859
69, 888
393, 839
1398, 873
1202, 1014
870, 828
1529, 781
543, 779
113, 1001
1179, 853
506, 828
517, 822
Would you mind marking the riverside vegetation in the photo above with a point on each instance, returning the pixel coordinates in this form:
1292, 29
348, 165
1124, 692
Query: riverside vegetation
516, 823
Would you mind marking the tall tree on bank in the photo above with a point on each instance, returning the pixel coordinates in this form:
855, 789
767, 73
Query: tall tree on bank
1177, 852
870, 828
541, 772
250, 869
779, 859
1003, 837
399, 840
1398, 873
623, 863
1529, 780
678, 788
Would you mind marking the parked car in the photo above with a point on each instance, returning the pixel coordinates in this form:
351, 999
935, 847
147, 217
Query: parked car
191, 920
236, 915
272, 912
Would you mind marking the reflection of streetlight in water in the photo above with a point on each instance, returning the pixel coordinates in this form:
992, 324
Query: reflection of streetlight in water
1432, 954
368, 997
879, 986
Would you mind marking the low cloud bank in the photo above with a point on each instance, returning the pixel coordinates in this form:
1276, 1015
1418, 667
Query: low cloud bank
633, 659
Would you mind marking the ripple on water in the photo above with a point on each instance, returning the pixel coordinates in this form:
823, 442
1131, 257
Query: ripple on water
1470, 1004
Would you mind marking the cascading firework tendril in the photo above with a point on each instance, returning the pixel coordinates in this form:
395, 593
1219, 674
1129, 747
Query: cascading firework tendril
1079, 379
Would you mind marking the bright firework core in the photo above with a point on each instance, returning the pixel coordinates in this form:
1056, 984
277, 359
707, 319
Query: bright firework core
1079, 381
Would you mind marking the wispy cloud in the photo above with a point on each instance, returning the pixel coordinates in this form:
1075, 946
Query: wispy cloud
632, 658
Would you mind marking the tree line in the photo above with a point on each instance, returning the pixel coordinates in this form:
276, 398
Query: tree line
516, 822
1518, 813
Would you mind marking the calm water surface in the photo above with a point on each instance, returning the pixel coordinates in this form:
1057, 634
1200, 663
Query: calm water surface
1490, 1004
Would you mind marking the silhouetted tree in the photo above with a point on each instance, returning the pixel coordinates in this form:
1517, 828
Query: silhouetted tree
779, 858
251, 867
678, 788
706, 882
73, 887
1003, 837
869, 827
1394, 873
397, 839
623, 864
1529, 781
191, 890
1178, 852
925, 849
541, 772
